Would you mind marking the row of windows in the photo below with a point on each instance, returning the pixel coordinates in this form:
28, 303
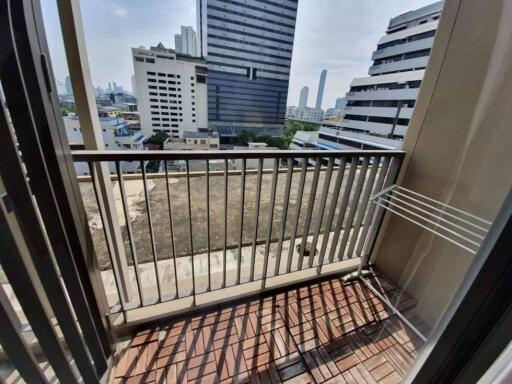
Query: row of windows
164, 119
419, 36
171, 75
378, 119
147, 59
386, 86
245, 42
164, 125
403, 56
275, 4
381, 103
248, 25
245, 68
257, 9
245, 33
246, 15
210, 55
250, 52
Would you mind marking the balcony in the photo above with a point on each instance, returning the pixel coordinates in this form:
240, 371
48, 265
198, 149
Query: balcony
197, 239
258, 266
235, 222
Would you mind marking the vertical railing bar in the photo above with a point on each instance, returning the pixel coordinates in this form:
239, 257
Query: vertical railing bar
371, 208
256, 217
241, 229
311, 204
270, 219
151, 233
171, 227
300, 193
31, 303
208, 223
225, 223
353, 207
129, 230
391, 176
286, 200
332, 211
13, 342
102, 217
343, 207
190, 230
362, 205
321, 208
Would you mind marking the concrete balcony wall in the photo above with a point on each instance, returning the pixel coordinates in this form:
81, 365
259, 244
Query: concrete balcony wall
403, 48
419, 62
388, 94
405, 113
458, 147
379, 128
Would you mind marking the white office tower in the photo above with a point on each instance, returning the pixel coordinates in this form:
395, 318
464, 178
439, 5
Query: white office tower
171, 91
321, 86
380, 105
303, 100
186, 42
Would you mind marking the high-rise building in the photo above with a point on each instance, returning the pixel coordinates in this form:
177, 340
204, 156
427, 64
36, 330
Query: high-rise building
186, 42
303, 100
67, 85
248, 47
380, 105
321, 86
171, 91
340, 103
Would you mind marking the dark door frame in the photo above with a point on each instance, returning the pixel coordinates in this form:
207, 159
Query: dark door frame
34, 114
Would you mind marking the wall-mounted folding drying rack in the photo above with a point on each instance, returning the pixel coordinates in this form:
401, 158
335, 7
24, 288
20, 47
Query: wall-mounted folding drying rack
461, 228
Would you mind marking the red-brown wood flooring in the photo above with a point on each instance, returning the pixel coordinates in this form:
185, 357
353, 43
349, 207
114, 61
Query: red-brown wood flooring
326, 332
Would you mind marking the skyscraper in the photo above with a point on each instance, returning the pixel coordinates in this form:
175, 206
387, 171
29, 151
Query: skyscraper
321, 86
248, 47
380, 105
186, 42
67, 85
303, 100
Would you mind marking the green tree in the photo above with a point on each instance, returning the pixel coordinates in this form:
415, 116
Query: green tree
158, 139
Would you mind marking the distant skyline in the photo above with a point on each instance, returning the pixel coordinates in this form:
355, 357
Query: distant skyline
330, 34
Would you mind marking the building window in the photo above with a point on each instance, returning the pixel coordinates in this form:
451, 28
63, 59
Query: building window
148, 60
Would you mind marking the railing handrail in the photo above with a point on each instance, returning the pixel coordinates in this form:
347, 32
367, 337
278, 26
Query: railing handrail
141, 155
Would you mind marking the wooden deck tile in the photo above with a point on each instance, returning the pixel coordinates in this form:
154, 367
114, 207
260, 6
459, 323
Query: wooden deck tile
326, 332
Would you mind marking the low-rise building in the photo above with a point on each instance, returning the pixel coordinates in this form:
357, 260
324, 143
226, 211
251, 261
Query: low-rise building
305, 114
193, 141
117, 135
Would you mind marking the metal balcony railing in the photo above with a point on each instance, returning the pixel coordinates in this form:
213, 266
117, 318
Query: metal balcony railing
231, 219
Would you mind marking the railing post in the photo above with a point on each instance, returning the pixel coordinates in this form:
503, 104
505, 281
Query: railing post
378, 216
83, 91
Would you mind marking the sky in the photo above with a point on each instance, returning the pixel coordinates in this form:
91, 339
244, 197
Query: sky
337, 35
